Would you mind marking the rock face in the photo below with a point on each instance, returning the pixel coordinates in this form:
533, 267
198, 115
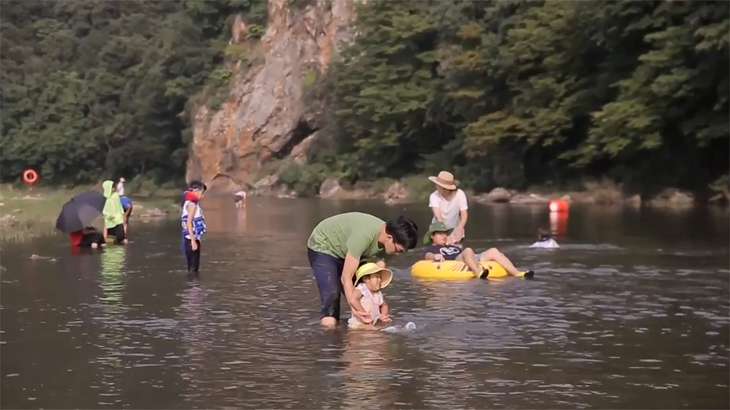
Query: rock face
672, 198
330, 189
498, 195
263, 118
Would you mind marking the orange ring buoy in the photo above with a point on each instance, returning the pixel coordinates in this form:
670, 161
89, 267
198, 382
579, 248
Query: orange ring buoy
30, 176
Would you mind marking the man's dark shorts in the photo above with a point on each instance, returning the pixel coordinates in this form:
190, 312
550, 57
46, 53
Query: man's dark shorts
327, 271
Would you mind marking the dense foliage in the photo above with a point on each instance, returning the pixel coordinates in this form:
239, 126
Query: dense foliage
508, 92
515, 92
94, 89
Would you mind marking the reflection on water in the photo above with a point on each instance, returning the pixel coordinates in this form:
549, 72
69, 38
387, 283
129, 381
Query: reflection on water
630, 312
366, 369
197, 336
112, 337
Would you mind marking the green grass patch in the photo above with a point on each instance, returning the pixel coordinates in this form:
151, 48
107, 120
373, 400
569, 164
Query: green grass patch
28, 213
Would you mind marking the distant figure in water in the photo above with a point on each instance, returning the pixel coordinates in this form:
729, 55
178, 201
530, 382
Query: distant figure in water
545, 240
240, 199
120, 186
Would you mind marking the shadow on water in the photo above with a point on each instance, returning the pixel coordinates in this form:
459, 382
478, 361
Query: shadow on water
631, 312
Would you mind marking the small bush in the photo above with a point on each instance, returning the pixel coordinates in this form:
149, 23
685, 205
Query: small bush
419, 185
256, 31
305, 180
309, 78
237, 52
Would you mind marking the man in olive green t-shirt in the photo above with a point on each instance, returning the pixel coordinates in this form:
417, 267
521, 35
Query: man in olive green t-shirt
336, 246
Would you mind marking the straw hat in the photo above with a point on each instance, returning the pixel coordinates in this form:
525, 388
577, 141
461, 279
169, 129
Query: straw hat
445, 180
371, 268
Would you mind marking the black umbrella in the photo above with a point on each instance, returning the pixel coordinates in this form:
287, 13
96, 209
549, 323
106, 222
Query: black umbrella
80, 211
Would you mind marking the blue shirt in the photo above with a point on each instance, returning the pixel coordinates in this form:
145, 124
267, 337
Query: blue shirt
126, 202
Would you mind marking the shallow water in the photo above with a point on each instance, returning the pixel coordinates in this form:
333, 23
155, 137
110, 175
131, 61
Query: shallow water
630, 312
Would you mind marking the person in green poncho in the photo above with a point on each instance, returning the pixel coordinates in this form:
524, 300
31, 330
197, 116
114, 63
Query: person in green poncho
113, 214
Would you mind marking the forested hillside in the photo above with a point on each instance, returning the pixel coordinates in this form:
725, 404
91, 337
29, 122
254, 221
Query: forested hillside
504, 93
513, 93
94, 89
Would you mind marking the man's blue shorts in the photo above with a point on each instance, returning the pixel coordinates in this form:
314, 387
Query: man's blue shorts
327, 272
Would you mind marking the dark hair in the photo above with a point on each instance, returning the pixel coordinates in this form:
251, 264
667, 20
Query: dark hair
197, 184
404, 232
544, 234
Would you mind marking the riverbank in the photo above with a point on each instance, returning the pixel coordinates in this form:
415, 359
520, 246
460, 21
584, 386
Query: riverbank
26, 214
418, 188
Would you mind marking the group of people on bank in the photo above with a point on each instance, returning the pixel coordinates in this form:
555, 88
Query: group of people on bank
116, 214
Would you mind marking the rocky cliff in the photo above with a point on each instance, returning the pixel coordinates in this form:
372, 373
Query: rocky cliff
263, 118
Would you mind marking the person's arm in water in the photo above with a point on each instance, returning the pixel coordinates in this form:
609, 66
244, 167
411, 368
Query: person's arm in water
189, 224
385, 313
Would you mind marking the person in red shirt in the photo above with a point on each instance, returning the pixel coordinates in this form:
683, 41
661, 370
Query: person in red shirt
88, 237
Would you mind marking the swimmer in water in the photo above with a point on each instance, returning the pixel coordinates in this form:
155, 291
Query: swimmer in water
545, 240
370, 279
240, 199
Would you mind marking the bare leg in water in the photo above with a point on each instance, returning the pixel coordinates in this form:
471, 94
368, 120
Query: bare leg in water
493, 254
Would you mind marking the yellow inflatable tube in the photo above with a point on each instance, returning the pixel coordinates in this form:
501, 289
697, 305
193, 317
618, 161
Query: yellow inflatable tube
447, 270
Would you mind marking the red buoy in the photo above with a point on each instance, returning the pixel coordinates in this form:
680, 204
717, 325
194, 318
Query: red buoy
558, 206
30, 177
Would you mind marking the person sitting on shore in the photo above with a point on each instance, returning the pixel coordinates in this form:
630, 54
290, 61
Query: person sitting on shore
440, 250
88, 237
240, 199
370, 279
545, 240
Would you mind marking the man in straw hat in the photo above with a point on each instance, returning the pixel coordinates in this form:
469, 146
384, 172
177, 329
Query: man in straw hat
335, 248
370, 279
449, 205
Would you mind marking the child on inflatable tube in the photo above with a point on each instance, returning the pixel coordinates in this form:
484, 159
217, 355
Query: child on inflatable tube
438, 235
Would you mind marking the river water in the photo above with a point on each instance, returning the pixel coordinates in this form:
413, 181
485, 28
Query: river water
631, 312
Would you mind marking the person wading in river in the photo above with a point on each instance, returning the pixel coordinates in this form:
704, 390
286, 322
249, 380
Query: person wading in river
449, 205
192, 222
335, 248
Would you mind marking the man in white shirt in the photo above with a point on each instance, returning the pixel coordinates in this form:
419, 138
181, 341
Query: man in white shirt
120, 186
449, 205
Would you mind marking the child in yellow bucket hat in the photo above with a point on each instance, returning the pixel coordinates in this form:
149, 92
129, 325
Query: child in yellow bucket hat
370, 279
